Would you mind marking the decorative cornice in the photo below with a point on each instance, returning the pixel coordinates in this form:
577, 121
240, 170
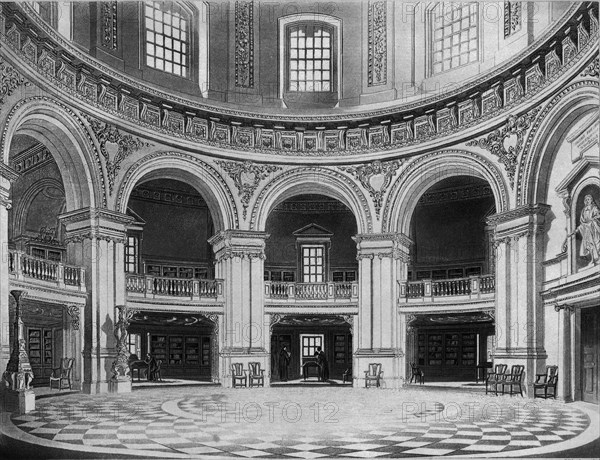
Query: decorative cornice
377, 36
120, 146
8, 173
244, 44
521, 211
38, 155
498, 142
10, 80
4, 200
368, 174
468, 192
246, 176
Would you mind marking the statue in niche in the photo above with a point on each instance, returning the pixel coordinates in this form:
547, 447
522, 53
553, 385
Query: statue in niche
589, 229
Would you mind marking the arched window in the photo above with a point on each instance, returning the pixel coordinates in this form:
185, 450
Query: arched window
167, 37
454, 35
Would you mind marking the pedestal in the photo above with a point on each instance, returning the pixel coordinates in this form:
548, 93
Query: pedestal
120, 386
18, 401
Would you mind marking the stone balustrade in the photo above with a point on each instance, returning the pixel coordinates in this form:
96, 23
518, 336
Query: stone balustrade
24, 267
149, 286
470, 288
330, 291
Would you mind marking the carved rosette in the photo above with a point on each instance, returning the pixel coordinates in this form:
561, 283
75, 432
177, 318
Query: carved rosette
244, 44
114, 146
375, 177
377, 65
10, 80
506, 142
246, 176
120, 367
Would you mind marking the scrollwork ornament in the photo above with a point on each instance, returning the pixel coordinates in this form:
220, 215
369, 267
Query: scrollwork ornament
73, 312
368, 174
246, 176
593, 69
10, 80
499, 142
274, 320
123, 146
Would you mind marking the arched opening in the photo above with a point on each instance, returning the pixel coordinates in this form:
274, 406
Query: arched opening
310, 260
452, 263
168, 259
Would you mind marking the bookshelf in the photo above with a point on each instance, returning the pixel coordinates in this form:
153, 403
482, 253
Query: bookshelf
452, 349
205, 351
40, 348
192, 351
48, 347
469, 349
35, 346
435, 349
175, 350
421, 349
339, 349
158, 347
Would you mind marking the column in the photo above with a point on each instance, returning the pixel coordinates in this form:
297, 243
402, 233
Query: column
95, 239
7, 175
73, 339
245, 333
382, 260
519, 308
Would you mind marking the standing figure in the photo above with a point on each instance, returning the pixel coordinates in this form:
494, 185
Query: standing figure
284, 362
323, 365
152, 367
589, 229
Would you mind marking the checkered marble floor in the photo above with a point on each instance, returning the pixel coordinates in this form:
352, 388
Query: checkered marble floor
303, 422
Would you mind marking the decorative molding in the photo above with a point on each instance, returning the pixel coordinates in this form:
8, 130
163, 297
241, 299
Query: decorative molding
246, 177
73, 311
568, 308
521, 211
10, 80
468, 192
377, 36
114, 146
8, 173
375, 177
244, 44
592, 70
499, 141
312, 207
38, 155
167, 196
109, 22
512, 18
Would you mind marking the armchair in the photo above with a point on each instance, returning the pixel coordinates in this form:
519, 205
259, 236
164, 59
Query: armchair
417, 374
347, 375
493, 378
238, 375
256, 375
373, 375
62, 374
512, 380
546, 382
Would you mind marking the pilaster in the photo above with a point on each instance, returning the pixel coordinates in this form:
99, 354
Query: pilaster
95, 239
244, 336
518, 239
380, 333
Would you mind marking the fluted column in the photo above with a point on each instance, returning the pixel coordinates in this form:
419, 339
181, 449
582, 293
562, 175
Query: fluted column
518, 238
240, 262
95, 239
380, 331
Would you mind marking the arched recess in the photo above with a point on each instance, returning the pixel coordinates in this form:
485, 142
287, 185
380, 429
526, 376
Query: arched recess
62, 132
185, 168
550, 128
20, 213
312, 181
424, 172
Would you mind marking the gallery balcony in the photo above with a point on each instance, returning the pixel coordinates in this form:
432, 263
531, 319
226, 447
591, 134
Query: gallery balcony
148, 288
330, 293
46, 280
472, 289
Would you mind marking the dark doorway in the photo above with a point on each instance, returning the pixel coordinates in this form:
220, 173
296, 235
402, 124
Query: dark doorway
590, 351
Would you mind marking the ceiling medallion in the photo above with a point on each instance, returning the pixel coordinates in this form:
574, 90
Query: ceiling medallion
375, 177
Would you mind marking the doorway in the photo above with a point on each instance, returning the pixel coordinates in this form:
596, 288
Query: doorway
590, 351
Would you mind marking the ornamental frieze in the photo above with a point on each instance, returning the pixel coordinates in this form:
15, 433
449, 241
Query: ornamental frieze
377, 65
375, 177
244, 44
246, 177
506, 142
114, 146
10, 80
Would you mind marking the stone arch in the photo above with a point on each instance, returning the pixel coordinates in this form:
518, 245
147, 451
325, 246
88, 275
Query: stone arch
21, 211
64, 134
312, 180
429, 169
191, 170
551, 126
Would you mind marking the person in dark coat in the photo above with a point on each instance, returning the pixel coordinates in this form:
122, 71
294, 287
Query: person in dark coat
284, 362
323, 365
152, 367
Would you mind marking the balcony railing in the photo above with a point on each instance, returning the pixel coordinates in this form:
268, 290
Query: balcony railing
23, 266
311, 291
472, 287
152, 286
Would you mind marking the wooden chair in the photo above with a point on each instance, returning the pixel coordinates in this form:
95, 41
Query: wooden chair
238, 375
347, 375
512, 380
256, 375
417, 374
546, 382
493, 377
373, 375
62, 374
